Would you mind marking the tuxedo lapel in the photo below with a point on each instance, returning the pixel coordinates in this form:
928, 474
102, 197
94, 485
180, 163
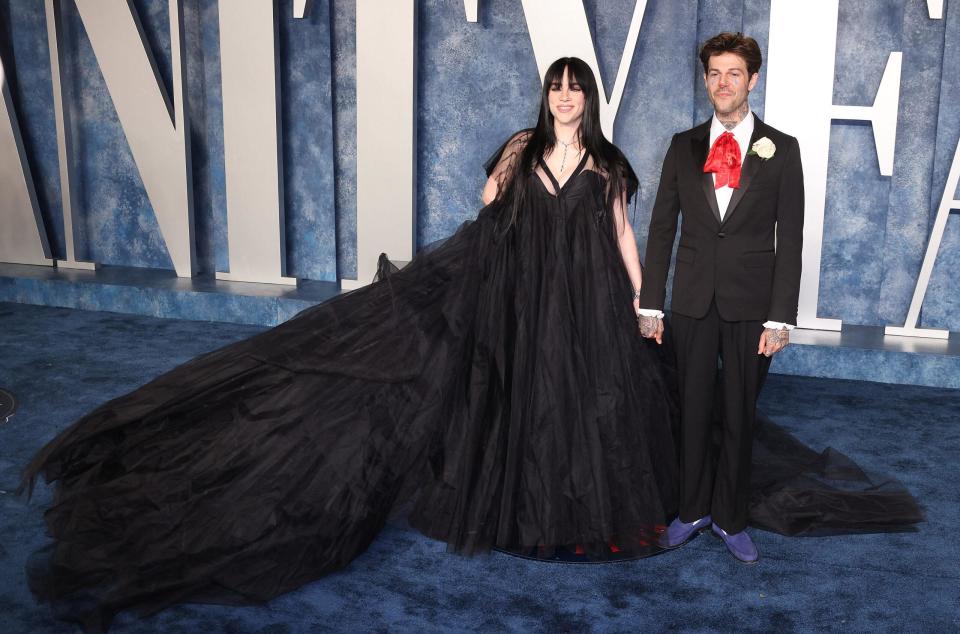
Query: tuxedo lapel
701, 147
749, 168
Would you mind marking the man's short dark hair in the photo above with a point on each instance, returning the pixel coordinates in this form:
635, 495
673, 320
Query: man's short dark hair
739, 44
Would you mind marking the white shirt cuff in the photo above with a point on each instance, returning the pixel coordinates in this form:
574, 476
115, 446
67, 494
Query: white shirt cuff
778, 325
649, 312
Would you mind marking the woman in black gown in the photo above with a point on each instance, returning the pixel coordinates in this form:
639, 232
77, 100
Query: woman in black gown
496, 388
498, 383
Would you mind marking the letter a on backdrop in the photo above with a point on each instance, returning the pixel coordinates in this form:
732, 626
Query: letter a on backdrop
947, 203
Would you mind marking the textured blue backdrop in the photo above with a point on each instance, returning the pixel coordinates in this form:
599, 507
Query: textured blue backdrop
477, 84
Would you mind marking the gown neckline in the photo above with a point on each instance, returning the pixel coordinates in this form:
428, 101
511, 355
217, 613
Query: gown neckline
557, 188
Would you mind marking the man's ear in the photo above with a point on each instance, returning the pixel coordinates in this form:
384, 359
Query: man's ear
754, 78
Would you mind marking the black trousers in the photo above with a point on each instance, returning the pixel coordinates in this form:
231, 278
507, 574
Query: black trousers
715, 463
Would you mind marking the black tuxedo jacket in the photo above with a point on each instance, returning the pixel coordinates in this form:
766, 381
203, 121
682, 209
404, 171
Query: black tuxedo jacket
750, 262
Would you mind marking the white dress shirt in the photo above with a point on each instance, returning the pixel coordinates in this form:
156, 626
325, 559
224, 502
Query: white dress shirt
742, 133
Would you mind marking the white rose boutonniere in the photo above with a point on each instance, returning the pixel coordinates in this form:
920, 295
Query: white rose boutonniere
764, 148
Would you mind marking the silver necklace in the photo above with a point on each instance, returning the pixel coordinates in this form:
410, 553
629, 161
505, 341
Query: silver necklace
563, 160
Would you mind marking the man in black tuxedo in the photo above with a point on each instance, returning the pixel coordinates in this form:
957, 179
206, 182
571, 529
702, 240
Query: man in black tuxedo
738, 184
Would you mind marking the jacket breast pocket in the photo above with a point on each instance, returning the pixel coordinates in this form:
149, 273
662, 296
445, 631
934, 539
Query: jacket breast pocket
758, 259
765, 187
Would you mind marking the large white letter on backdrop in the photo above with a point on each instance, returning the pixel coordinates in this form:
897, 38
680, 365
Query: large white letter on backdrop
23, 239
559, 28
64, 137
386, 134
156, 129
792, 26
251, 143
947, 203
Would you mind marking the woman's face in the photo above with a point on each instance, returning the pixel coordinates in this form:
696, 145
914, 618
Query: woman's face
566, 100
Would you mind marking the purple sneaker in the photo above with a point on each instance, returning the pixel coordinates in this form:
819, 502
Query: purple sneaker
679, 533
739, 544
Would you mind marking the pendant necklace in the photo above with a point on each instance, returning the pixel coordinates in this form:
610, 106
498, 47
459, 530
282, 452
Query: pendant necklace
563, 160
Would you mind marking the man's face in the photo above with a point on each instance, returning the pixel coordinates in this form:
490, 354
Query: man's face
728, 83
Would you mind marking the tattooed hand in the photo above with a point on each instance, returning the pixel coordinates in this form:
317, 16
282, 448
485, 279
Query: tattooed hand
773, 341
651, 327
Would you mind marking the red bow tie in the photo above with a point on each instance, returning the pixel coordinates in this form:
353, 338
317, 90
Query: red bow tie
724, 161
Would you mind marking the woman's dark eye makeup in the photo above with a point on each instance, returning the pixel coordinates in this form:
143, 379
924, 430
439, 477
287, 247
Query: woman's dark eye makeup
557, 86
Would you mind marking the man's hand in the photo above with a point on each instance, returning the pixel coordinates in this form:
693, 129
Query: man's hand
651, 327
773, 341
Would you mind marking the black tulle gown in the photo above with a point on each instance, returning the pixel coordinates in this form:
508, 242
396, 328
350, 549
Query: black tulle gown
496, 388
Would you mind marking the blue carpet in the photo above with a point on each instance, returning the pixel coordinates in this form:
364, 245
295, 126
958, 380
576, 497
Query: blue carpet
62, 362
